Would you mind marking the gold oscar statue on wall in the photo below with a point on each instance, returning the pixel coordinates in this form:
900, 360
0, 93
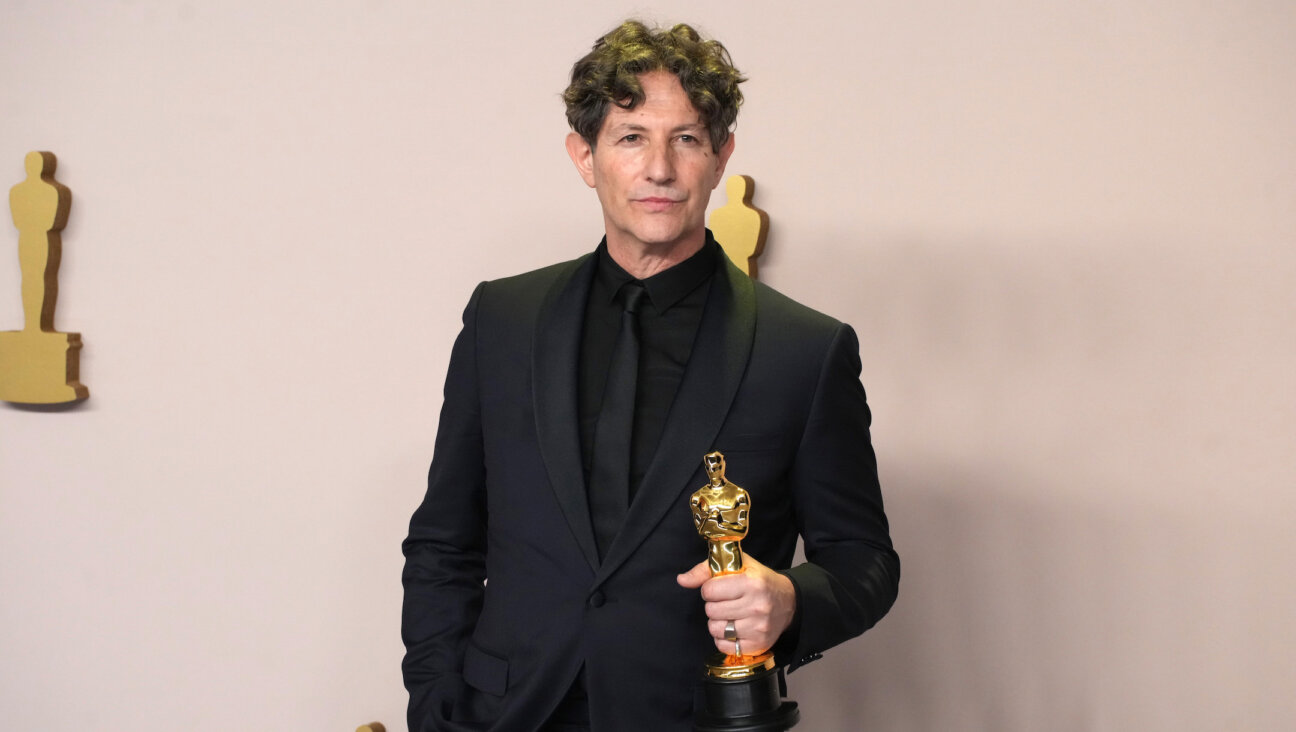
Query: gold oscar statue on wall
740, 691
740, 227
39, 365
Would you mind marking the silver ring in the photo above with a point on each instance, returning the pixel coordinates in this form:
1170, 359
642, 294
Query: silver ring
737, 647
731, 633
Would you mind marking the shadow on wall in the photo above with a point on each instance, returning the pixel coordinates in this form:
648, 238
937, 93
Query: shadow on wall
1041, 614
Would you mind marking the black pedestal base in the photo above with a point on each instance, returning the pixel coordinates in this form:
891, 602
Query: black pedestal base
753, 704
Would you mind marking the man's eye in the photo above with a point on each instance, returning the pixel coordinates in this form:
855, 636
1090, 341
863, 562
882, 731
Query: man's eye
630, 138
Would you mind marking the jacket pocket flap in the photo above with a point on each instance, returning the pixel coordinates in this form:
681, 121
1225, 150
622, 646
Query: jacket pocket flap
485, 672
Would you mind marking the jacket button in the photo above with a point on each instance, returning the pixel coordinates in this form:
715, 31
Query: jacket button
597, 599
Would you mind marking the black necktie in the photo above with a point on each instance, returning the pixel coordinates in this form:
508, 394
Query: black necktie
610, 469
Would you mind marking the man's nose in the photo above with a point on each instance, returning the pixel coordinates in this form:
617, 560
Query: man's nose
660, 166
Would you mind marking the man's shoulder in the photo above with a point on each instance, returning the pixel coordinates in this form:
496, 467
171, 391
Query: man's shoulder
532, 286
772, 308
538, 277
775, 309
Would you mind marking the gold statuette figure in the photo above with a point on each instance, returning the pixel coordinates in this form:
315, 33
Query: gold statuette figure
722, 513
740, 227
39, 365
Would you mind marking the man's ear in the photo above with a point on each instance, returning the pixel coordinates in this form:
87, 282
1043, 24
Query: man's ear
583, 156
722, 159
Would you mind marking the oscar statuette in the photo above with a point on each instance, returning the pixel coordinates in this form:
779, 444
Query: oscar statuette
740, 693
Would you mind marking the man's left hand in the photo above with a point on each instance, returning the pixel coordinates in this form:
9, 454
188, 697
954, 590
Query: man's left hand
759, 601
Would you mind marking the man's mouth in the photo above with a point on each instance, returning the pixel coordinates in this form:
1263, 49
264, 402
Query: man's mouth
657, 203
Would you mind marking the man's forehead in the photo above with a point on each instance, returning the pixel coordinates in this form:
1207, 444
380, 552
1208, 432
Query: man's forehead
637, 118
657, 88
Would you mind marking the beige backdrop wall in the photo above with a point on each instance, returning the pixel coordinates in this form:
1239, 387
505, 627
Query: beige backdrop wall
1063, 230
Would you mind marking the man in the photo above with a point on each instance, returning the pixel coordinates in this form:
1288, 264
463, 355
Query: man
542, 577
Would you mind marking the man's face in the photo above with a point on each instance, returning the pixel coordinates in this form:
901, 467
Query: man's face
653, 169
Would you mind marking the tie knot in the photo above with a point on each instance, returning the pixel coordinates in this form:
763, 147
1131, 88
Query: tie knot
632, 295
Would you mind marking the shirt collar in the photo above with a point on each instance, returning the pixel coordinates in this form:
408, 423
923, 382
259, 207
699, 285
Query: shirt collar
666, 288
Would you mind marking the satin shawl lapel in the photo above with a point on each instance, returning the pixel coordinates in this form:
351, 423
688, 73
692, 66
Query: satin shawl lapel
715, 369
555, 360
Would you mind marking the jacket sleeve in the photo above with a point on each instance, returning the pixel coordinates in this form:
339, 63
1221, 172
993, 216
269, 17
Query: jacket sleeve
852, 573
445, 552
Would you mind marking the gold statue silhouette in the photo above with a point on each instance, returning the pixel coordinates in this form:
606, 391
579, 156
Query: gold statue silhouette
740, 227
722, 514
37, 364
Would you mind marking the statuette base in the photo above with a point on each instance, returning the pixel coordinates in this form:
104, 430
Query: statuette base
753, 703
38, 367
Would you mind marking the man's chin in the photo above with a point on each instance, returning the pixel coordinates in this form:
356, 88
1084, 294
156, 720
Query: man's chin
666, 238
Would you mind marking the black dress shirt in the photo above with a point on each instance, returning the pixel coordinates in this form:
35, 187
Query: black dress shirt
668, 324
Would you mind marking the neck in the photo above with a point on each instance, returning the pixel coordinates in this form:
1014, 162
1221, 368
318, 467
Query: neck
645, 260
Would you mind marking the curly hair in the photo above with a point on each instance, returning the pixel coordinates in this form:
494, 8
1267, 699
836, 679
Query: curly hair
609, 74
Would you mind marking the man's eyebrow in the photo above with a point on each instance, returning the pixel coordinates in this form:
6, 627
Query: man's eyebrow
628, 126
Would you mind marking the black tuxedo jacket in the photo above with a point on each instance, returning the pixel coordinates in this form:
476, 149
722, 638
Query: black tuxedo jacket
505, 597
